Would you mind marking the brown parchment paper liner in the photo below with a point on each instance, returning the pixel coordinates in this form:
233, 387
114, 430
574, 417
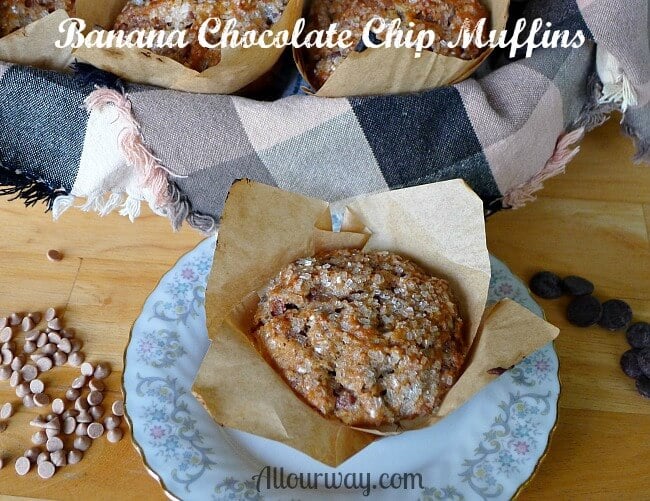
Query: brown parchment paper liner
33, 45
238, 67
440, 226
397, 71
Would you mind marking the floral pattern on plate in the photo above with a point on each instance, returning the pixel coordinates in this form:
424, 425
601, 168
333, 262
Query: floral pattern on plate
490, 458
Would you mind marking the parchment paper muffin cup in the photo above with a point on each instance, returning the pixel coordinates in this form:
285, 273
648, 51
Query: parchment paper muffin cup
439, 226
34, 45
238, 67
380, 71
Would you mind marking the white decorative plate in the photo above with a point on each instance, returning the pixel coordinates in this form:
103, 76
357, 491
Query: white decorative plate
486, 450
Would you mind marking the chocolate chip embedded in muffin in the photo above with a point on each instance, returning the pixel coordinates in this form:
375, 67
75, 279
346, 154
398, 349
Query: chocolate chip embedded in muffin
444, 17
16, 14
368, 338
169, 15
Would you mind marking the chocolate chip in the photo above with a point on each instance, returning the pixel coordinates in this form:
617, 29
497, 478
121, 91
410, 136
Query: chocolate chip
72, 394
584, 311
23, 465
643, 358
81, 430
29, 372
39, 438
82, 443
102, 371
44, 364
87, 369
54, 444
58, 458
50, 314
546, 285
630, 363
577, 286
41, 399
74, 456
46, 470
32, 454
69, 425
638, 335
6, 411
643, 386
616, 315
6, 334
58, 406
54, 255
111, 422
96, 411
15, 319
96, 385
36, 386
55, 324
114, 436
27, 324
118, 408
79, 382
95, 430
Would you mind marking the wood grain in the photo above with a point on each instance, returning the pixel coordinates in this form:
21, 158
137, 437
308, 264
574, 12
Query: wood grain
109, 269
591, 221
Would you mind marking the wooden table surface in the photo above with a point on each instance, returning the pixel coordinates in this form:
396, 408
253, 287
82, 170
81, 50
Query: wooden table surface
593, 221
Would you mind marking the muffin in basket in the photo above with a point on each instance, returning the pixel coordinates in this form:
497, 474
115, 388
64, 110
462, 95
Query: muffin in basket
368, 338
444, 17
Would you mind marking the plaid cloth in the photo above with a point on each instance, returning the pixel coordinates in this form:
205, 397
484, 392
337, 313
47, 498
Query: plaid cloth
89, 137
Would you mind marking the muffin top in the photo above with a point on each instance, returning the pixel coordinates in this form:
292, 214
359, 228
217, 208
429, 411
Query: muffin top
368, 338
169, 15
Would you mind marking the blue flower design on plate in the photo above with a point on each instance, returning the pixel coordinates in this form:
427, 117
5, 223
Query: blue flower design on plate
185, 292
195, 459
171, 429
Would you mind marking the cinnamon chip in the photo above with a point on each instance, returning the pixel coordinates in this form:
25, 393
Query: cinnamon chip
54, 255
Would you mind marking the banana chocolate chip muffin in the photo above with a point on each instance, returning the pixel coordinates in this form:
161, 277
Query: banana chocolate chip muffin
169, 15
444, 17
15, 14
368, 338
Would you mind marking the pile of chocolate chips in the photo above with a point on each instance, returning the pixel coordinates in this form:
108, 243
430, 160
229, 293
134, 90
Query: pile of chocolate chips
585, 310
